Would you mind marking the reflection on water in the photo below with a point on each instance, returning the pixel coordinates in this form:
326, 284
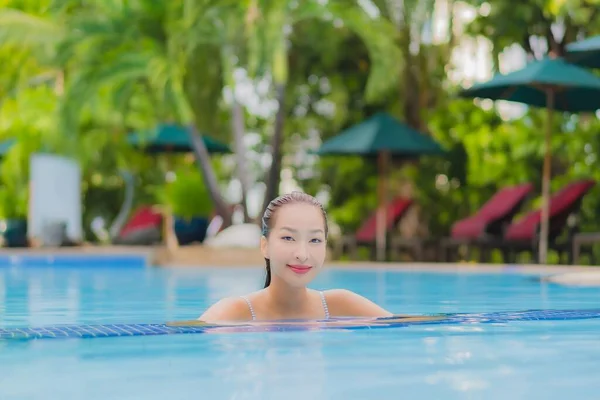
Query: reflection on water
44, 296
272, 366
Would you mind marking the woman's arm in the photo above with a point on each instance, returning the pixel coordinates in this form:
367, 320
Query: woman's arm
344, 303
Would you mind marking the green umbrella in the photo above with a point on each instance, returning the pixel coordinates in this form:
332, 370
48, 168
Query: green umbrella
381, 136
5, 146
170, 138
551, 83
381, 133
585, 52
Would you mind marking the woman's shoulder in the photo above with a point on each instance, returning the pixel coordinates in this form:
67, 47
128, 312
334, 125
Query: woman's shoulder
338, 293
228, 309
342, 296
346, 303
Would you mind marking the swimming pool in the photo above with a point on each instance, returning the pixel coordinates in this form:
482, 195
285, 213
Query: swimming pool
531, 359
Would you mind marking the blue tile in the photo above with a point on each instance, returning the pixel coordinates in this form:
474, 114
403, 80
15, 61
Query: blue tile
117, 330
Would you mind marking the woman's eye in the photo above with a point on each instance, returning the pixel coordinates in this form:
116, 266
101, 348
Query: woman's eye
316, 241
287, 238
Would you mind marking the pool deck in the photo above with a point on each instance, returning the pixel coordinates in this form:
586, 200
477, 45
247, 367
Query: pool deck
198, 256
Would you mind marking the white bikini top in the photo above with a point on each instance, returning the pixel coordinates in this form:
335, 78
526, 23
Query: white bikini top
323, 301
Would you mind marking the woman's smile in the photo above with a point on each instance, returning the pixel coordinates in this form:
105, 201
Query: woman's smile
299, 269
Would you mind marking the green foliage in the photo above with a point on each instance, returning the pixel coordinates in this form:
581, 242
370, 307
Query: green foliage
27, 118
348, 208
187, 195
272, 19
506, 23
14, 190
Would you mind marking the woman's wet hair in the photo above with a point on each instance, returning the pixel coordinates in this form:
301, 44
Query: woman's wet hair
268, 219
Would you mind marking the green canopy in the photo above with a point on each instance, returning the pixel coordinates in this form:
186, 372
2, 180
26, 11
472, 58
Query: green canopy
575, 89
551, 83
382, 136
585, 52
170, 138
381, 133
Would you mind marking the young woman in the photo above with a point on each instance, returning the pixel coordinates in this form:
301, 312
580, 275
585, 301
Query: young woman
294, 242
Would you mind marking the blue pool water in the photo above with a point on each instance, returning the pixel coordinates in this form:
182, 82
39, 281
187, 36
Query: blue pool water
530, 359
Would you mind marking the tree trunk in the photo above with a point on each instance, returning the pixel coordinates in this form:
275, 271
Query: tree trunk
408, 81
126, 207
274, 174
210, 178
237, 121
412, 95
410, 92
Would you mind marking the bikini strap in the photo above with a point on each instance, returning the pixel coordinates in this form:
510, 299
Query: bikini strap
324, 301
250, 307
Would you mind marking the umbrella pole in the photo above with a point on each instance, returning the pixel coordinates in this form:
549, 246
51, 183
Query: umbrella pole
169, 235
545, 223
383, 159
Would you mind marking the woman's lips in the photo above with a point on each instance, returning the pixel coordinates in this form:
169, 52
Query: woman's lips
300, 269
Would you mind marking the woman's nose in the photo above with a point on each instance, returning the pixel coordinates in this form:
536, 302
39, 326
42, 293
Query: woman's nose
301, 253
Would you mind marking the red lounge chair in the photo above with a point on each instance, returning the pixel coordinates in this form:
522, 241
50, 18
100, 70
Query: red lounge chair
522, 235
367, 233
489, 222
494, 215
562, 204
143, 228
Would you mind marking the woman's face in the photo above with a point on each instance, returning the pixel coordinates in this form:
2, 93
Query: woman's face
296, 243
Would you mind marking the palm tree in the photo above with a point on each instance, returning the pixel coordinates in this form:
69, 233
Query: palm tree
212, 27
128, 49
269, 24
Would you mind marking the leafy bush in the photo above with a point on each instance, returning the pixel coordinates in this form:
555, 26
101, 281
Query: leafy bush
187, 195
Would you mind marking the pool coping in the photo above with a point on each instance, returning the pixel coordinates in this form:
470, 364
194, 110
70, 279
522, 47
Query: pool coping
423, 267
471, 267
198, 256
71, 256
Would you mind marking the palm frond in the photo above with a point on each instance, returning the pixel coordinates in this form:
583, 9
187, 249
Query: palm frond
31, 31
379, 37
378, 34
